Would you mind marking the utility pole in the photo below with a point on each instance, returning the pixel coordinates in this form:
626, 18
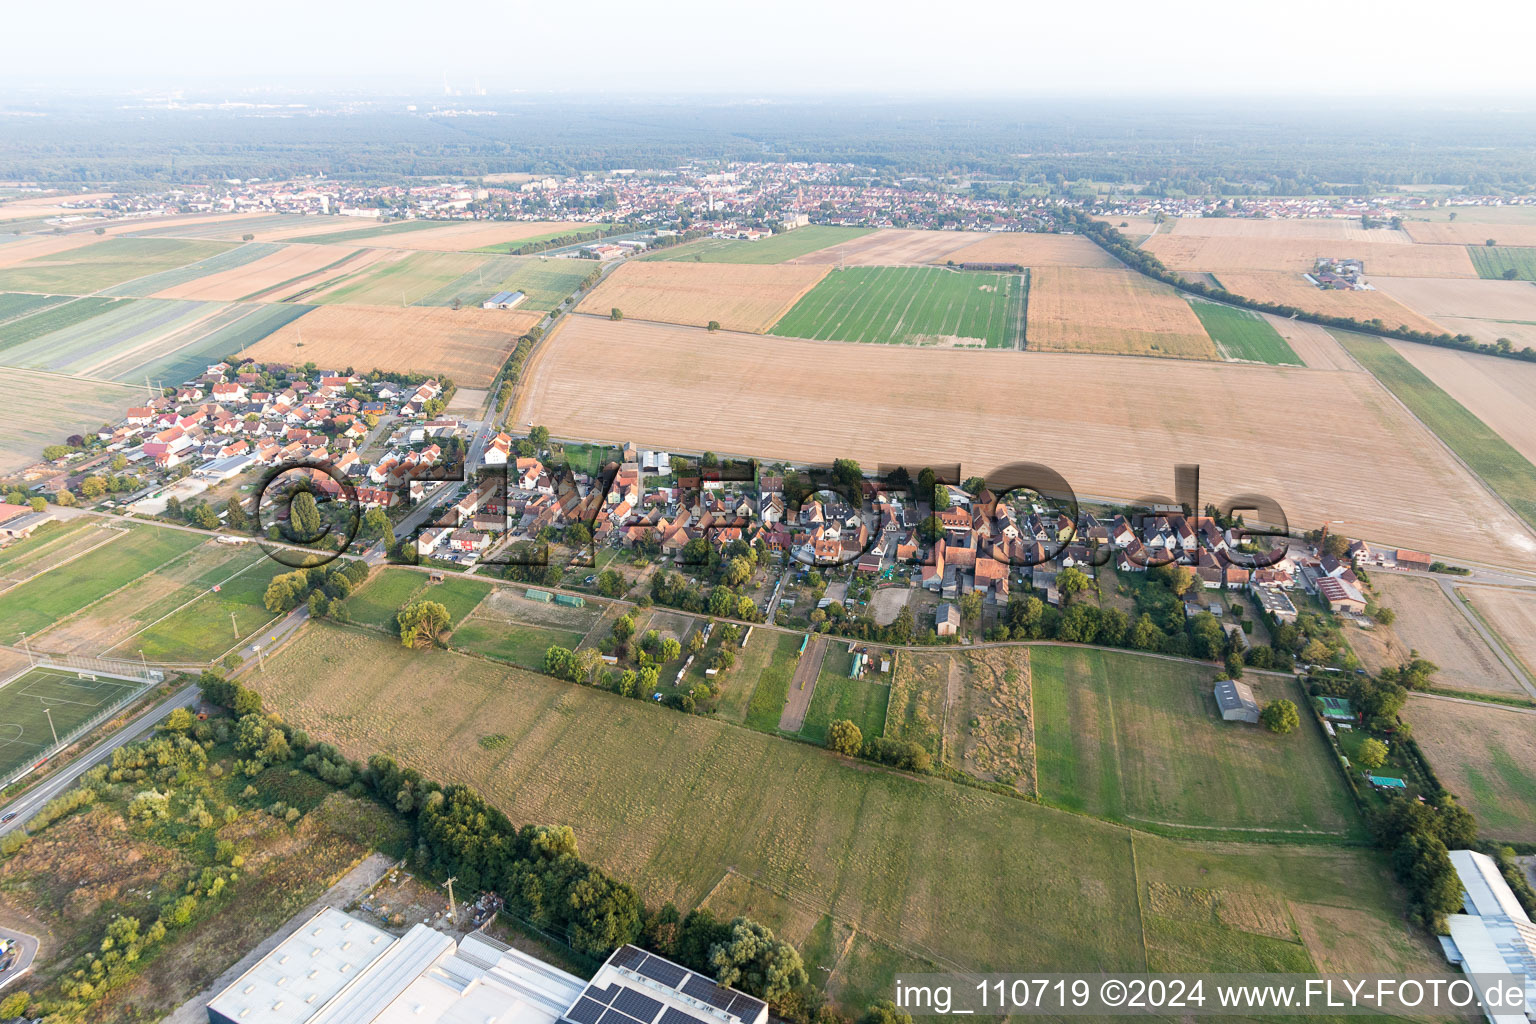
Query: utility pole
261, 663
49, 712
452, 913
233, 626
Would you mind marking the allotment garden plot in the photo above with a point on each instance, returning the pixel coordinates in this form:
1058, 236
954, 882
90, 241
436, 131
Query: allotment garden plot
912, 306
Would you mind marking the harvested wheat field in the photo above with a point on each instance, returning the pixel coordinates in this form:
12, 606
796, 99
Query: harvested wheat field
1134, 228
1484, 300
1112, 311
42, 246
1295, 290
476, 234
287, 265
1427, 622
892, 248
1316, 347
468, 345
1512, 615
1221, 255
30, 207
1328, 229
1486, 755
1461, 232
741, 296
1500, 392
1490, 331
1111, 426
1034, 249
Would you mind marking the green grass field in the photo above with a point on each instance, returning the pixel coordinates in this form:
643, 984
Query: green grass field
121, 333
203, 630
376, 602
1139, 739
930, 870
102, 265
406, 281
458, 595
1492, 261
505, 248
515, 643
861, 701
773, 249
764, 651
14, 306
1241, 334
71, 701
772, 688
546, 282
178, 358
56, 318
1492, 458
42, 601
911, 306
24, 557
239, 256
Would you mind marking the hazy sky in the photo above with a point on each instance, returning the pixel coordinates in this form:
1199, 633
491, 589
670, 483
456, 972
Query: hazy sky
998, 47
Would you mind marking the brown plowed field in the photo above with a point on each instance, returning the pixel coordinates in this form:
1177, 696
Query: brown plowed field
1462, 233
1295, 290
892, 248
1235, 253
290, 262
1492, 300
1111, 426
742, 297
1512, 614
1500, 392
1316, 347
1112, 311
1034, 249
1328, 229
468, 345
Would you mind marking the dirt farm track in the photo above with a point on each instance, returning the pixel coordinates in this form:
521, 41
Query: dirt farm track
1111, 426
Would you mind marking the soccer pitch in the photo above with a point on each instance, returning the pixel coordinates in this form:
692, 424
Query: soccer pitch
30, 697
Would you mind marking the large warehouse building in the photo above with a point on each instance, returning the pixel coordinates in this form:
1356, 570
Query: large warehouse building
1495, 935
337, 969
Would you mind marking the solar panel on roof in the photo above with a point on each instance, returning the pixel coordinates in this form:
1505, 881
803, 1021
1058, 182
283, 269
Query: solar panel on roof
615, 1017
641, 1007
603, 995
744, 1006
664, 971
707, 991
628, 956
586, 1011
675, 1016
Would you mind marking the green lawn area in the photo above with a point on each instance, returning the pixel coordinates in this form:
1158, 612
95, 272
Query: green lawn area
1493, 261
517, 643
203, 630
773, 249
911, 306
926, 868
376, 602
104, 264
17, 559
458, 595
24, 730
56, 318
1492, 458
772, 688
409, 280
764, 649
1242, 334
862, 701
1139, 739
42, 601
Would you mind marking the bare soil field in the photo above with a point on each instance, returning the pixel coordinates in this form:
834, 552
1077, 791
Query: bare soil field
287, 264
1294, 290
1490, 331
1134, 228
41, 246
892, 248
1486, 755
1485, 300
468, 345
1500, 392
1512, 615
1112, 311
1427, 622
741, 296
1034, 249
28, 207
1462, 232
1220, 255
1328, 229
1316, 347
474, 234
1111, 426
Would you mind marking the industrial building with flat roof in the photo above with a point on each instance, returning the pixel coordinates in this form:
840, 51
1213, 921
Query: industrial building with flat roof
1495, 935
339, 970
